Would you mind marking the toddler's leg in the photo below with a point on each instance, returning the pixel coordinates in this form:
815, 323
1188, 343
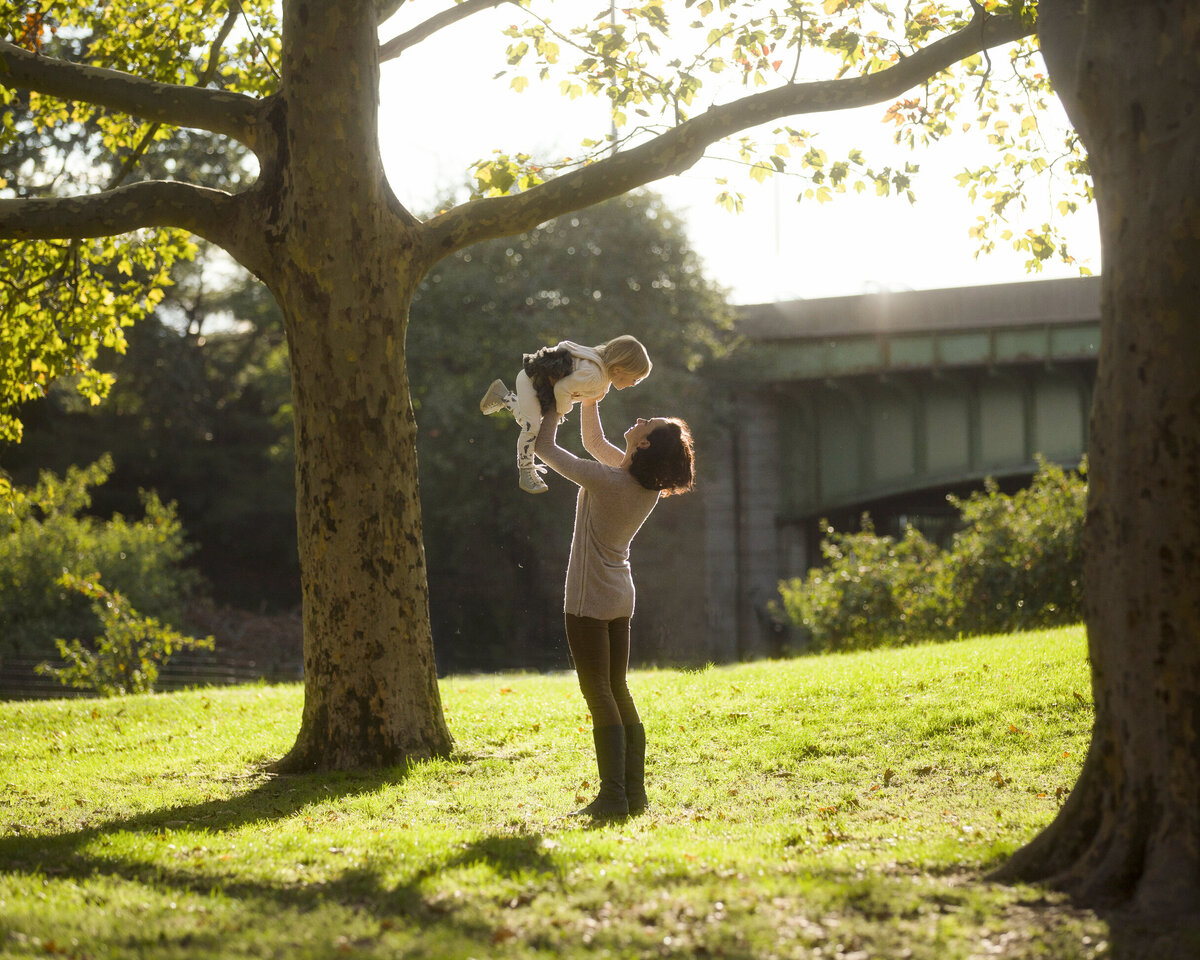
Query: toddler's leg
526, 409
528, 414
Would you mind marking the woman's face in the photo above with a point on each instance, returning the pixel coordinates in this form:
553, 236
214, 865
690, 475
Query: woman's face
641, 430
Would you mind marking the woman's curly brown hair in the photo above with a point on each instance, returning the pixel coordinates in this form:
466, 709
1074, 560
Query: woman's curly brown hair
668, 463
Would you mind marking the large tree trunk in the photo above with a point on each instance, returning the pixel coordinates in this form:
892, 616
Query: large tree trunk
344, 271
1129, 834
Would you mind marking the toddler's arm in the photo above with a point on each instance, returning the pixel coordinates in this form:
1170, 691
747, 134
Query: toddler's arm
587, 381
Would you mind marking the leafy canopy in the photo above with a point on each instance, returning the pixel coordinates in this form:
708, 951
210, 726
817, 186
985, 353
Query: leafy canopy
656, 63
61, 301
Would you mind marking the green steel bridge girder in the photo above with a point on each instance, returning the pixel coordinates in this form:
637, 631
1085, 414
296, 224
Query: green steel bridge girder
832, 357
850, 440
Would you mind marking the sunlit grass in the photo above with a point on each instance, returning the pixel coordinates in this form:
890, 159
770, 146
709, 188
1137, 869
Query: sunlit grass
843, 805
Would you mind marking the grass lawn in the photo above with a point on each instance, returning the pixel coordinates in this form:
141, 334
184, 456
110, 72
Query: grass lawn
836, 807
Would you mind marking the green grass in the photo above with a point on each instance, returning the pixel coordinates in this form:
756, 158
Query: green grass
844, 806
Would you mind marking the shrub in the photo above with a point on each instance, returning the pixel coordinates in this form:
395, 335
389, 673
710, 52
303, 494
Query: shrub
45, 533
1016, 564
126, 656
872, 592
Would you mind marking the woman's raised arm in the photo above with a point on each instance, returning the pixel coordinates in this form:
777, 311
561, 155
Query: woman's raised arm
592, 434
561, 461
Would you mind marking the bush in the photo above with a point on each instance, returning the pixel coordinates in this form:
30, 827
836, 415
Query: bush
873, 591
1016, 564
126, 656
44, 534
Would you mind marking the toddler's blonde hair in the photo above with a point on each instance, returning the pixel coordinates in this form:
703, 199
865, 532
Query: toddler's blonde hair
627, 355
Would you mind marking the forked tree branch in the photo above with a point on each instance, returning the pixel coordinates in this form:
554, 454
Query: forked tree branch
683, 146
398, 44
218, 111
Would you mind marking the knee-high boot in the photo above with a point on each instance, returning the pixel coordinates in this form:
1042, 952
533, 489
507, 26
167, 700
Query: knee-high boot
635, 767
610, 758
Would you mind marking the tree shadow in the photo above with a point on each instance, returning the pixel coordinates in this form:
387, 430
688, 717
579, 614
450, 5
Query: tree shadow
1136, 936
278, 797
72, 857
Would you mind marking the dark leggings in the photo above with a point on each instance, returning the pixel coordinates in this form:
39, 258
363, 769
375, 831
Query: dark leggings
600, 649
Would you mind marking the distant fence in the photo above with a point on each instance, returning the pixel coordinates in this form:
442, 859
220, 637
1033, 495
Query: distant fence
19, 679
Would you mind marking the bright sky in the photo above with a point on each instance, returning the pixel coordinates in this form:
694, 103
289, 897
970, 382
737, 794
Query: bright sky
441, 110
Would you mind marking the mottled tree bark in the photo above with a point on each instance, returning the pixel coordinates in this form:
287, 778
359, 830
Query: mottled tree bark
343, 267
1129, 833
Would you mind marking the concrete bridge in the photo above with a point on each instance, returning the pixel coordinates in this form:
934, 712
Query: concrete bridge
882, 403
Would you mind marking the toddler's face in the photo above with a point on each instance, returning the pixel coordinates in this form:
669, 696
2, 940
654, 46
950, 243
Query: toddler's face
621, 379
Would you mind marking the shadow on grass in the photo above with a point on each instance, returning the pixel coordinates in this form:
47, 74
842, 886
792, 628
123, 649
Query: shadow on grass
374, 888
74, 856
1130, 936
1141, 938
278, 797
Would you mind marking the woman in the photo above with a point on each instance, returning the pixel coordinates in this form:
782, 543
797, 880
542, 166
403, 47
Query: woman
617, 491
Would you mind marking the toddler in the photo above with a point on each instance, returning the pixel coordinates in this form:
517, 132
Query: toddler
553, 379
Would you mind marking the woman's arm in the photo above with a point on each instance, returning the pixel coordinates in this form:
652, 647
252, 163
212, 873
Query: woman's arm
592, 434
561, 461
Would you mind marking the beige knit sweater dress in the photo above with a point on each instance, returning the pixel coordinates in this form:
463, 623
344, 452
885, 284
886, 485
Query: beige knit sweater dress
609, 511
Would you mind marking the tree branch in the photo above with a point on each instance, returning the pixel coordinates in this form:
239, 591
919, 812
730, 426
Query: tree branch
208, 213
682, 146
221, 112
410, 38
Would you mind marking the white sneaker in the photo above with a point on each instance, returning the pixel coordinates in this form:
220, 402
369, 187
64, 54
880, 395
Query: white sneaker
496, 397
530, 481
